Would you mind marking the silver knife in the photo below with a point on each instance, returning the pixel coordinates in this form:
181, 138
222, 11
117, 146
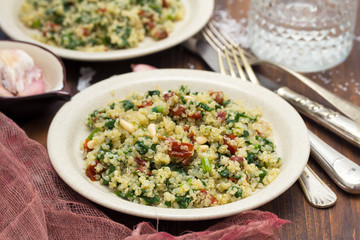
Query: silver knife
344, 172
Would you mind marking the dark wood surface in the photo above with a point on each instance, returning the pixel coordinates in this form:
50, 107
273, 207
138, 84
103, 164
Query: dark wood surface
341, 221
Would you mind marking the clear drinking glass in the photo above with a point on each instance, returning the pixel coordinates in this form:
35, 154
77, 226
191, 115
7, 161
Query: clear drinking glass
305, 35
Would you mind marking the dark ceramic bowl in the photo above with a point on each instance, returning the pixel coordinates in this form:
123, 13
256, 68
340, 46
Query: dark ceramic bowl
55, 82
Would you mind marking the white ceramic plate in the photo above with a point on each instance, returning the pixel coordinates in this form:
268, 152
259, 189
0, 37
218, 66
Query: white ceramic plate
198, 12
68, 129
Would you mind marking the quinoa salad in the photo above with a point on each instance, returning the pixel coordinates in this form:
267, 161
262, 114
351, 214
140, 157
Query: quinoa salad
92, 25
180, 149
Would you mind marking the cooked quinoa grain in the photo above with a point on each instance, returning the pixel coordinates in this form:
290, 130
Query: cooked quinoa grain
92, 25
180, 149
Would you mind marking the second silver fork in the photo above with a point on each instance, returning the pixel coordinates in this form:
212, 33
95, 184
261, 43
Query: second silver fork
342, 170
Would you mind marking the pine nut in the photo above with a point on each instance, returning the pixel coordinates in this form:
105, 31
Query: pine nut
127, 126
203, 148
189, 98
201, 140
90, 144
152, 129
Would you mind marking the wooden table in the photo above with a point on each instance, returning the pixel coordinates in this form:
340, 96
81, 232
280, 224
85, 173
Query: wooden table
341, 221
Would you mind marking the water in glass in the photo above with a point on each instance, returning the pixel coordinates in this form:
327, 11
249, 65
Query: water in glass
305, 35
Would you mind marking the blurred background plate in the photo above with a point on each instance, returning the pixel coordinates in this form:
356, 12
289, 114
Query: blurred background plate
197, 14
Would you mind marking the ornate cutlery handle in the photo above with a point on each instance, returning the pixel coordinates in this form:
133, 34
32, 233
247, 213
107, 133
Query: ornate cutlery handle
344, 172
334, 121
349, 109
316, 191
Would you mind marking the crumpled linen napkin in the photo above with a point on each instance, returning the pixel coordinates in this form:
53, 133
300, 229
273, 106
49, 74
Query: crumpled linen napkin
37, 204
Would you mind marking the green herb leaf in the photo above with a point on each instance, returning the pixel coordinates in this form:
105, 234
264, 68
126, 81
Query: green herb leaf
262, 175
127, 105
90, 137
110, 124
239, 193
183, 201
141, 147
158, 109
154, 92
151, 200
224, 173
205, 107
205, 164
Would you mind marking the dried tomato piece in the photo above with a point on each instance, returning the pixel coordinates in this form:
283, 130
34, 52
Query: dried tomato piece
196, 115
161, 34
186, 128
181, 150
145, 103
237, 159
168, 95
212, 198
150, 25
218, 96
233, 179
85, 32
91, 172
232, 148
142, 169
222, 115
140, 161
102, 10
86, 149
164, 4
191, 134
178, 111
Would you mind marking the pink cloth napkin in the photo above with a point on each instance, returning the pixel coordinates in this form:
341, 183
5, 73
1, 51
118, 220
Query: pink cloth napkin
37, 204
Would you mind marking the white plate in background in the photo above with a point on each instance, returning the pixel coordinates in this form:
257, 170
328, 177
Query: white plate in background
198, 13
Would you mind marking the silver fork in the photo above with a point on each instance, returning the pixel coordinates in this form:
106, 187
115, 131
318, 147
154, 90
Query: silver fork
344, 172
316, 191
349, 109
